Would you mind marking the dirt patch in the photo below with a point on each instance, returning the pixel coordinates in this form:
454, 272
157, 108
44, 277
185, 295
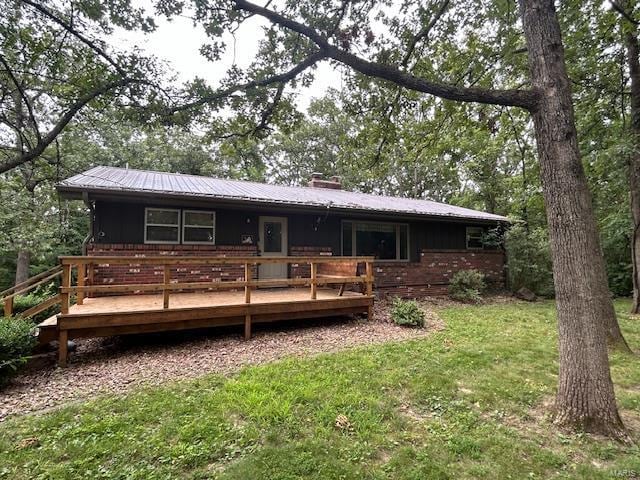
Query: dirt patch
118, 364
539, 420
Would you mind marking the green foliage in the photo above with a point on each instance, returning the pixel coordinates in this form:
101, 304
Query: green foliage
407, 313
467, 286
23, 303
461, 403
378, 137
17, 340
616, 246
529, 260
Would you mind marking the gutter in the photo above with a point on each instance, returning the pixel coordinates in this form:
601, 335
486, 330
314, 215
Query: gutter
92, 212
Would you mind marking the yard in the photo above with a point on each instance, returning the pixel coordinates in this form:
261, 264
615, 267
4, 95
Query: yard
465, 402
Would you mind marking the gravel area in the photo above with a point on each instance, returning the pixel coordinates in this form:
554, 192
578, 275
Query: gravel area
117, 364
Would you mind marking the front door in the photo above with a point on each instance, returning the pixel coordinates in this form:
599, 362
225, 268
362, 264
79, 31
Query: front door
272, 242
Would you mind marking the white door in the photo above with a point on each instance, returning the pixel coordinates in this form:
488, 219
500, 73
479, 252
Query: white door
272, 242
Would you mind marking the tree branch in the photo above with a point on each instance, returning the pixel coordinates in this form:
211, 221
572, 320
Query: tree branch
618, 8
278, 78
69, 28
23, 95
526, 99
62, 123
424, 33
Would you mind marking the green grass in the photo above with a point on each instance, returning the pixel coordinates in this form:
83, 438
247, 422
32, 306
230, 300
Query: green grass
463, 403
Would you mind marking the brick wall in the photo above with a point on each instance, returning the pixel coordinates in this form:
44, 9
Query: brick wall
303, 270
105, 273
431, 276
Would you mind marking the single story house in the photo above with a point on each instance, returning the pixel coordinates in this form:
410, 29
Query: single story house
418, 244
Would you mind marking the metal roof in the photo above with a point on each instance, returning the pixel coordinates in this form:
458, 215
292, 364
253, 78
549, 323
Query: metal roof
120, 180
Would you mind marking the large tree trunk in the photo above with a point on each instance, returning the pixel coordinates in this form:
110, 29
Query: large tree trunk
585, 397
634, 164
22, 265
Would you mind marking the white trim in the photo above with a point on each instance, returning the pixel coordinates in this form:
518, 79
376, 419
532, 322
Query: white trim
266, 271
364, 222
466, 238
284, 248
212, 227
177, 226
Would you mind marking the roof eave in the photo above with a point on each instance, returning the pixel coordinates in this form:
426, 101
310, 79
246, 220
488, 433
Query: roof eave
74, 192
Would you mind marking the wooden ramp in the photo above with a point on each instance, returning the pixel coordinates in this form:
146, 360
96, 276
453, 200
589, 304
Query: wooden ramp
129, 309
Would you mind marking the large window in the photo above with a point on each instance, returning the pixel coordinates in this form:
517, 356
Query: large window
475, 240
384, 241
161, 225
198, 227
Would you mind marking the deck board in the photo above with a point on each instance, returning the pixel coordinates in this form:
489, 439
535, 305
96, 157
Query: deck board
139, 303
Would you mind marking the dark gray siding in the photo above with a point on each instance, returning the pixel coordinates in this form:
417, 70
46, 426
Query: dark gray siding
315, 231
123, 222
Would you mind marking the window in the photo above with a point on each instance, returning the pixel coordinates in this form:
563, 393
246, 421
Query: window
161, 225
198, 227
475, 238
384, 241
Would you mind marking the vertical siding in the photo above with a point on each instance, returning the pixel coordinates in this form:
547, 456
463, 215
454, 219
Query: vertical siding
122, 223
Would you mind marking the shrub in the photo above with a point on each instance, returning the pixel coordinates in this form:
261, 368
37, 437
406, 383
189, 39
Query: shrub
17, 340
22, 303
467, 285
529, 260
407, 313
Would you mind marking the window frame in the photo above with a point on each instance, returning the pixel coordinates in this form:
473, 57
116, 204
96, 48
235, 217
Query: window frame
147, 224
397, 226
466, 238
185, 226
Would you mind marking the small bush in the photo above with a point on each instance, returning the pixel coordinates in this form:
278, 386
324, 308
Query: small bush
16, 343
407, 313
467, 286
22, 303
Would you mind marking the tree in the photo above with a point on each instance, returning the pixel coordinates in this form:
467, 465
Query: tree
49, 73
632, 51
585, 397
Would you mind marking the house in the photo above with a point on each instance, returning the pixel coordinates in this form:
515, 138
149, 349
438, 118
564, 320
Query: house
418, 244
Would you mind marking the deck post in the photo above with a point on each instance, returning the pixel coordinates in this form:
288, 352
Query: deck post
314, 280
247, 279
369, 279
247, 326
66, 285
90, 275
8, 307
165, 289
82, 272
63, 337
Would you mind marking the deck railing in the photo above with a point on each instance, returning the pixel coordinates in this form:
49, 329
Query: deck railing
8, 296
85, 266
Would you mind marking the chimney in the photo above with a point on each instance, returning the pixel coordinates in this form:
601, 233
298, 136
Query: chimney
317, 181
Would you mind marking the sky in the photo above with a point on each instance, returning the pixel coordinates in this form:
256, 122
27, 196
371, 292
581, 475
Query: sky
178, 41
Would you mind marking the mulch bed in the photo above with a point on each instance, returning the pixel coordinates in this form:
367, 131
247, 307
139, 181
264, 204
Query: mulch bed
118, 364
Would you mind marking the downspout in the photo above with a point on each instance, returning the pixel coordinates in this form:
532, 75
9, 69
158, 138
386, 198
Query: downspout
92, 211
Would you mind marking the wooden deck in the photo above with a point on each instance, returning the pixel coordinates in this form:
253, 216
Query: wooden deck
129, 309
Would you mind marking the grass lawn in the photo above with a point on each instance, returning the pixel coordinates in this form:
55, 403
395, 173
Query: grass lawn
466, 402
